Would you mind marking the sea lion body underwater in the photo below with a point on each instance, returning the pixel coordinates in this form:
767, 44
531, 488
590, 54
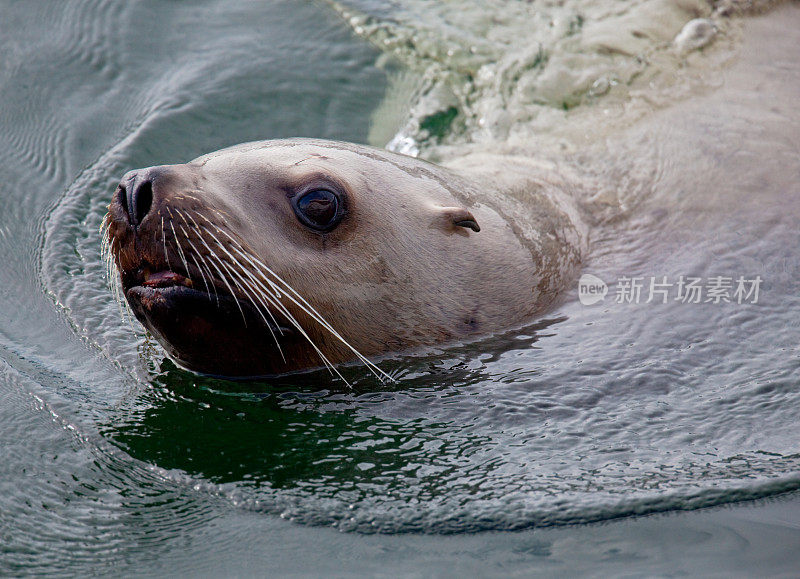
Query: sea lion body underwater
277, 256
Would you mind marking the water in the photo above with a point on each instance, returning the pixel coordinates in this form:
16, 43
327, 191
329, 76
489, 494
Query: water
115, 461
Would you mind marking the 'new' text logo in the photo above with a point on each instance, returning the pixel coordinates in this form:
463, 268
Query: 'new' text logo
591, 289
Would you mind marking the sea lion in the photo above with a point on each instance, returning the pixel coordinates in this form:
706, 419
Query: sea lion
276, 256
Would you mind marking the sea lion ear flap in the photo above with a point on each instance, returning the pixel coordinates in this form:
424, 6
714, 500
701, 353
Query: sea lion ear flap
460, 217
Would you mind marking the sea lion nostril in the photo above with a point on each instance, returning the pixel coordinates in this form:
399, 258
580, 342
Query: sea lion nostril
142, 199
138, 200
122, 196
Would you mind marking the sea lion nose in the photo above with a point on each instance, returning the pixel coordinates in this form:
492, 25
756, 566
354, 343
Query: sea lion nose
136, 194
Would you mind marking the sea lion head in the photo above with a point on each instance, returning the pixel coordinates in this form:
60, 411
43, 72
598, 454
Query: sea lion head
277, 256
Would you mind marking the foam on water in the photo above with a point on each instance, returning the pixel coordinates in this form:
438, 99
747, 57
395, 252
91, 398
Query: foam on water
513, 72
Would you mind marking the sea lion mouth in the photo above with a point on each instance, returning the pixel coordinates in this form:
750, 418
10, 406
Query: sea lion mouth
166, 278
212, 333
166, 296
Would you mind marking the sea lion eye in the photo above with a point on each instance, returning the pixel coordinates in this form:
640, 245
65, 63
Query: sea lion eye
319, 209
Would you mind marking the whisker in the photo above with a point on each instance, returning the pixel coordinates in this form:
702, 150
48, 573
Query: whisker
116, 288
202, 275
224, 279
272, 287
328, 364
196, 252
105, 222
282, 309
180, 249
164, 241
207, 269
253, 291
305, 306
258, 293
256, 306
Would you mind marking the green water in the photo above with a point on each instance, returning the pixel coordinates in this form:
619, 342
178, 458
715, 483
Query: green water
532, 451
